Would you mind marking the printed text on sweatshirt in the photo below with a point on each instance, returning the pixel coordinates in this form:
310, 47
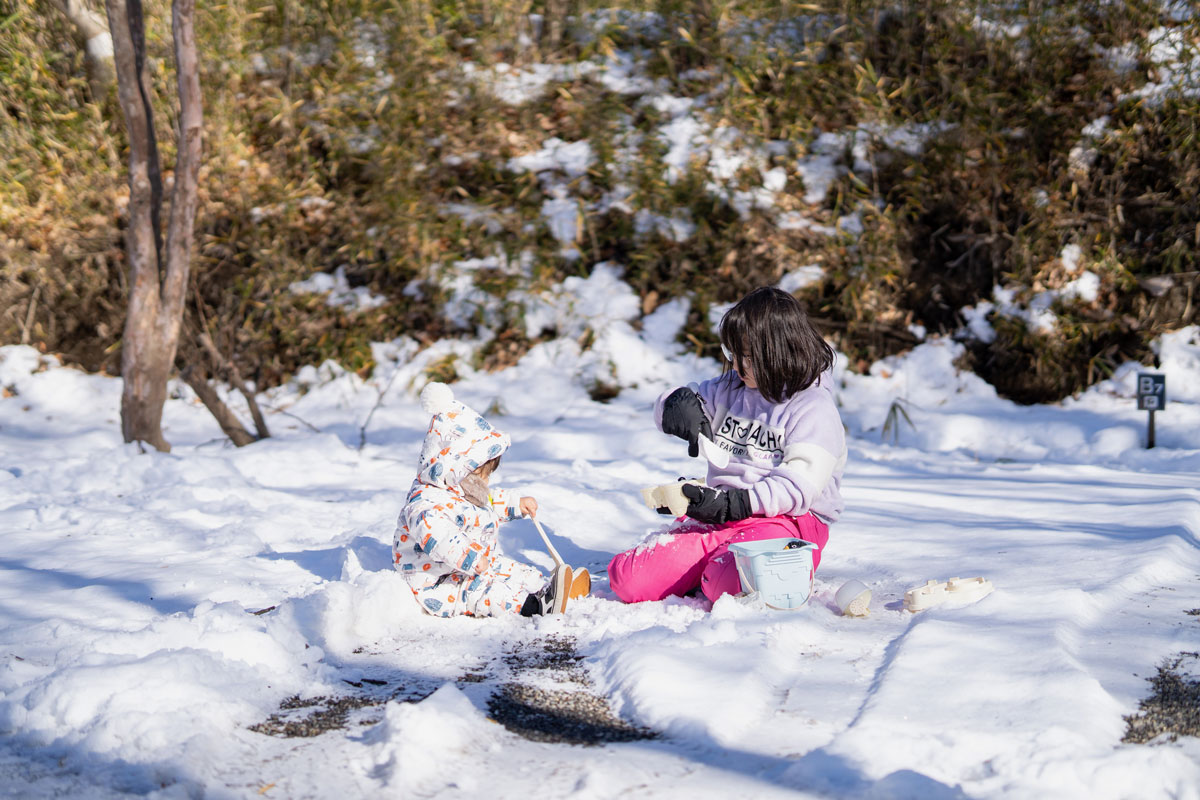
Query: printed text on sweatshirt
788, 455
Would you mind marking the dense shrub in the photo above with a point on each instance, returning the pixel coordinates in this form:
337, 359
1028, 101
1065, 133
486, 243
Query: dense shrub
341, 135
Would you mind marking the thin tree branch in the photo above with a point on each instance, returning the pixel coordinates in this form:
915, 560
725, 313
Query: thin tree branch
29, 315
216, 406
362, 432
260, 424
235, 378
299, 419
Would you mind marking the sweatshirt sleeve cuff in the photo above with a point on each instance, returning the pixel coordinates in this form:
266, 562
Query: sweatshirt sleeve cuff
506, 502
658, 407
756, 506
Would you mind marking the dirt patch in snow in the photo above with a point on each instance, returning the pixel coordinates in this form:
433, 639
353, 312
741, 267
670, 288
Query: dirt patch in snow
573, 714
540, 691
1173, 710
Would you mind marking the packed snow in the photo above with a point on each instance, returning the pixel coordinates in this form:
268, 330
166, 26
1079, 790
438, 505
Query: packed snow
155, 606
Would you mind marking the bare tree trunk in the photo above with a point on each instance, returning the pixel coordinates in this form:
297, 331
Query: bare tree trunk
93, 37
158, 279
184, 195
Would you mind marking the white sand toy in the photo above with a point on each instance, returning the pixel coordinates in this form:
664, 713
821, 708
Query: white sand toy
669, 495
558, 562
853, 599
713, 452
957, 591
778, 571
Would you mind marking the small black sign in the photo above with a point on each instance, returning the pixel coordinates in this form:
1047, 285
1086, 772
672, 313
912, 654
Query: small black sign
1151, 392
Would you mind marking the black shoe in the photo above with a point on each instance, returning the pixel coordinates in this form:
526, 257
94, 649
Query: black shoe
550, 599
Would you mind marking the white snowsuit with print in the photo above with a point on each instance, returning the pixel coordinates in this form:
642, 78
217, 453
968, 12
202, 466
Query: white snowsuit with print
446, 547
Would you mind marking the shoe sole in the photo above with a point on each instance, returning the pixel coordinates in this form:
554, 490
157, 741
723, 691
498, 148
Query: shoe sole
561, 578
581, 584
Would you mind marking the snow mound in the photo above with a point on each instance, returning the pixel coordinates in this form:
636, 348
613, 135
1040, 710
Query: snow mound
418, 745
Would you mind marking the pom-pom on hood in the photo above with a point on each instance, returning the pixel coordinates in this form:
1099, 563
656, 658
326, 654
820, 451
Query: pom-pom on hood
437, 398
458, 441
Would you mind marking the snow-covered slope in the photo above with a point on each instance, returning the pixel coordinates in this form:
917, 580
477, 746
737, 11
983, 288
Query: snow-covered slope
130, 661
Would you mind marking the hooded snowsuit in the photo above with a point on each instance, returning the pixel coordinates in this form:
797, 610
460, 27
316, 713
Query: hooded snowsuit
446, 547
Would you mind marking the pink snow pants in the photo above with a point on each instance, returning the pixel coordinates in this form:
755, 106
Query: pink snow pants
699, 555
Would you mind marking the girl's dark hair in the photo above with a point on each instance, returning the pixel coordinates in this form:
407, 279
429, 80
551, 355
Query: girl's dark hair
769, 330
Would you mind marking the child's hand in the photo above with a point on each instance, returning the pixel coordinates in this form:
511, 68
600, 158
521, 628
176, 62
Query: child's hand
683, 416
528, 507
716, 506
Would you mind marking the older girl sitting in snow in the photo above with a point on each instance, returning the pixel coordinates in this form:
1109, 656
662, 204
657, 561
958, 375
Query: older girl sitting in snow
773, 411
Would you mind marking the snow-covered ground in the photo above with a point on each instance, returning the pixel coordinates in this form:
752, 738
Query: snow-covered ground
131, 661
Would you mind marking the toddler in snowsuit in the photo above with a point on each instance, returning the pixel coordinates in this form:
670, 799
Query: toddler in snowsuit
447, 539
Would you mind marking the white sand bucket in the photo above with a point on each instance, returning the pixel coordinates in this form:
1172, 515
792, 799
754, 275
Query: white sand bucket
778, 571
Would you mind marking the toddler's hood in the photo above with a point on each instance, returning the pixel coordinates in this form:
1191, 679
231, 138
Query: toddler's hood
458, 441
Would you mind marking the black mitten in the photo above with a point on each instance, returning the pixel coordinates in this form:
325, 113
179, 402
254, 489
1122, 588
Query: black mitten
717, 505
683, 416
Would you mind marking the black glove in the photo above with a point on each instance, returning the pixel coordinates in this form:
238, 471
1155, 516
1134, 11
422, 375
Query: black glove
716, 505
683, 416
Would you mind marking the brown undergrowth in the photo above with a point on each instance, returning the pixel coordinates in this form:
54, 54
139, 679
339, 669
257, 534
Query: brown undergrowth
338, 135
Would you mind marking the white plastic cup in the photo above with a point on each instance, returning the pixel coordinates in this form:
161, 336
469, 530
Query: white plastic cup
853, 599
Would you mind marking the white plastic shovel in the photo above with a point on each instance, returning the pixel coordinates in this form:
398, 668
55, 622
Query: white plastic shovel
713, 452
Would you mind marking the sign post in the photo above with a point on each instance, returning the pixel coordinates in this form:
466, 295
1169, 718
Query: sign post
1151, 396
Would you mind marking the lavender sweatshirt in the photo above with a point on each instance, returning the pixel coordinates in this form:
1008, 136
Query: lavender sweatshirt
789, 455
